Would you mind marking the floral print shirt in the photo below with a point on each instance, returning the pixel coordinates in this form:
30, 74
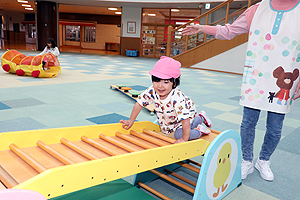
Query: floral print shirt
170, 111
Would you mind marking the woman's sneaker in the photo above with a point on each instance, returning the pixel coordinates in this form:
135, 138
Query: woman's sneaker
263, 166
203, 130
247, 168
206, 120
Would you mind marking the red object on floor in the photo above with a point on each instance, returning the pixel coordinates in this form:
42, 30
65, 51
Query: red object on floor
20, 72
6, 67
35, 73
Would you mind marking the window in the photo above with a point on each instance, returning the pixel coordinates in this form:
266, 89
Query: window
31, 31
72, 33
89, 34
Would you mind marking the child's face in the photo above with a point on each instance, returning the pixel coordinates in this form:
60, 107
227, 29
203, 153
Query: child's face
49, 44
163, 88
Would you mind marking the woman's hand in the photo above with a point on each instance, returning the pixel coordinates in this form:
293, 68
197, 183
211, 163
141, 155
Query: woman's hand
191, 30
297, 91
126, 123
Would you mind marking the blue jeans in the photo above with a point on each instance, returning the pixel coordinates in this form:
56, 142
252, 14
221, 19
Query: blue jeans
272, 135
194, 132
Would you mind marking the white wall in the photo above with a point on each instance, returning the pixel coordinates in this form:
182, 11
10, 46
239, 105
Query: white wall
232, 60
131, 14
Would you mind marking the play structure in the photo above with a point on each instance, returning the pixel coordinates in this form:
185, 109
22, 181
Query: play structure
66, 163
46, 66
132, 94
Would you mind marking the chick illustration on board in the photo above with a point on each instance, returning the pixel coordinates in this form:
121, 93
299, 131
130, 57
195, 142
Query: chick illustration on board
223, 168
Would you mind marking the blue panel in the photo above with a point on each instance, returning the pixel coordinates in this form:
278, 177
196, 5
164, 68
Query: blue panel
3, 106
20, 124
19, 103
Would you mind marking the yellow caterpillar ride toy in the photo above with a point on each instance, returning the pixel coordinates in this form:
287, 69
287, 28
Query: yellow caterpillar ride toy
45, 66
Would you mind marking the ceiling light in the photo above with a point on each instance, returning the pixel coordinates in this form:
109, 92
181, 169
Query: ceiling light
153, 15
26, 5
118, 13
20, 1
112, 8
28, 8
174, 10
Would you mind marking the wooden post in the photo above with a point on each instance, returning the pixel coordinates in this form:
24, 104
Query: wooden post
169, 40
249, 3
204, 35
227, 12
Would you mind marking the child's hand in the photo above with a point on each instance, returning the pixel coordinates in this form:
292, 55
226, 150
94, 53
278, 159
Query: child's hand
126, 123
179, 141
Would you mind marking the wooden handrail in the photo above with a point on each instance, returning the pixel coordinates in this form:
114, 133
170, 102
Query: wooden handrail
204, 38
203, 15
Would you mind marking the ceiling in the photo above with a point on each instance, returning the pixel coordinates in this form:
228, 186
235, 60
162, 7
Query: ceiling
94, 6
88, 6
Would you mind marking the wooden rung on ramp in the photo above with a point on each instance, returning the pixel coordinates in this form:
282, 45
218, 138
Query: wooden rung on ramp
155, 192
178, 183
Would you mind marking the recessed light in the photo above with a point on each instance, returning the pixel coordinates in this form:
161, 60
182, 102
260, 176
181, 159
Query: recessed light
118, 13
20, 1
28, 8
153, 15
26, 5
174, 10
112, 8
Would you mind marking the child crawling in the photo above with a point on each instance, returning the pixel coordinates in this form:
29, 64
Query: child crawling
176, 113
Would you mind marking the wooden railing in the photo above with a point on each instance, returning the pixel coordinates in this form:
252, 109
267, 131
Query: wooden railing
177, 43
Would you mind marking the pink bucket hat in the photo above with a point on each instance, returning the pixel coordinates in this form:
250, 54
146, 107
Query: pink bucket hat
166, 68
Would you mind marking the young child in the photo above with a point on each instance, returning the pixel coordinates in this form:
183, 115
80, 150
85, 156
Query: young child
176, 113
270, 23
51, 48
